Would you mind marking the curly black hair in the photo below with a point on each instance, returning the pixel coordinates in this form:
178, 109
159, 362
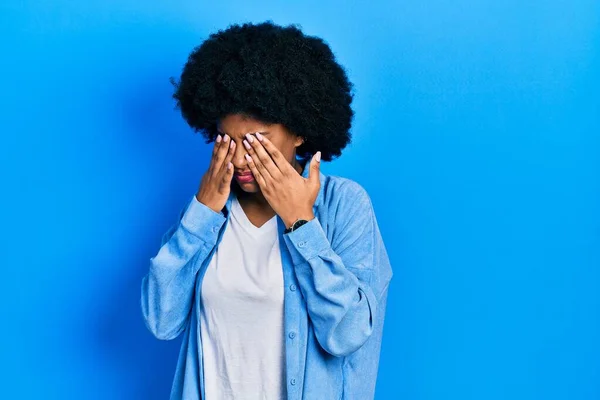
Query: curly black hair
274, 74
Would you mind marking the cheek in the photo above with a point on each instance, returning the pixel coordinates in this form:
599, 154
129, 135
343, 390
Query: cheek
286, 150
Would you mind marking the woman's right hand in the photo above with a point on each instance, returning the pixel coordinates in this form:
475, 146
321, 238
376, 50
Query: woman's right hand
216, 183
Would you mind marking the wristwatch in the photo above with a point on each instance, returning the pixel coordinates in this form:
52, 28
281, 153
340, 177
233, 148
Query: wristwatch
295, 225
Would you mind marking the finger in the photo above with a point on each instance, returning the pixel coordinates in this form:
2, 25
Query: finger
213, 156
315, 165
263, 160
229, 155
227, 176
217, 144
221, 153
258, 164
256, 161
257, 174
282, 163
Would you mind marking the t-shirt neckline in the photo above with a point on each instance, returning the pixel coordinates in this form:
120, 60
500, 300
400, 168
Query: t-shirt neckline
243, 219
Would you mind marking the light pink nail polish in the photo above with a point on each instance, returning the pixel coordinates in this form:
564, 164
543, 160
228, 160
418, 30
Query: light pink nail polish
259, 136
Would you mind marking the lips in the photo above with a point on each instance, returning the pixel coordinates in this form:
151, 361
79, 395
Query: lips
245, 177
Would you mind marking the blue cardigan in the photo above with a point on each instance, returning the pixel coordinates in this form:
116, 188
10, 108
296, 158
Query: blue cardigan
336, 274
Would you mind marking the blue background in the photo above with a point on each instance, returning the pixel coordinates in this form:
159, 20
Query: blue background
476, 135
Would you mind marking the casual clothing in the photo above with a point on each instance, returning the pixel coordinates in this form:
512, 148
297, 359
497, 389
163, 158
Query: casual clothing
241, 319
336, 274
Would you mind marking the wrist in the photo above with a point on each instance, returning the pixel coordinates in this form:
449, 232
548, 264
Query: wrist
207, 204
289, 222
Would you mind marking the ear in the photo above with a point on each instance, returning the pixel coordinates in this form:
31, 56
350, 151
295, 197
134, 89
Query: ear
299, 140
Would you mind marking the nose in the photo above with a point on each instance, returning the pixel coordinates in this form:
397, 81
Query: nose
239, 159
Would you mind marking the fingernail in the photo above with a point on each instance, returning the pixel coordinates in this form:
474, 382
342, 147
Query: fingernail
248, 157
225, 138
250, 138
219, 138
318, 156
246, 144
259, 136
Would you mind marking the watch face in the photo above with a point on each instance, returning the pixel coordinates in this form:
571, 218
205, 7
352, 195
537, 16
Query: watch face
299, 223
295, 225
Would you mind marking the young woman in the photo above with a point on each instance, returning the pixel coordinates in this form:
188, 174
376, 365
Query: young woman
276, 273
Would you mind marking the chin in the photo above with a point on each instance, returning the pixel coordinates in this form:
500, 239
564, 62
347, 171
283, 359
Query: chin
251, 187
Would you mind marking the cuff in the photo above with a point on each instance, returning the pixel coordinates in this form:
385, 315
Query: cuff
307, 241
202, 220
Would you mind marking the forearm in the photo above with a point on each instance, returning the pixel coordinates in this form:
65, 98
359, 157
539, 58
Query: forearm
341, 306
167, 289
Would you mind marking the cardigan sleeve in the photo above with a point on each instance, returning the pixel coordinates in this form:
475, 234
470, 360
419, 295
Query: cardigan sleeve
168, 287
342, 283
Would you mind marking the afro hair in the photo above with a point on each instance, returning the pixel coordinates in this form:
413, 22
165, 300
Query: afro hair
273, 74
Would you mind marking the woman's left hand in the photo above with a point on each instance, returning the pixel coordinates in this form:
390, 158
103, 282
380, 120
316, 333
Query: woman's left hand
290, 195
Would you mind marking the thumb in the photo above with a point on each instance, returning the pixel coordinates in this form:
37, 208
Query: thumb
315, 164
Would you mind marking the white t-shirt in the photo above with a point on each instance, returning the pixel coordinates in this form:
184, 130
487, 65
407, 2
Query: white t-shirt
242, 313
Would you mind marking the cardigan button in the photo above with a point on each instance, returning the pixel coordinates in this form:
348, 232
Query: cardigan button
292, 335
293, 287
301, 244
293, 381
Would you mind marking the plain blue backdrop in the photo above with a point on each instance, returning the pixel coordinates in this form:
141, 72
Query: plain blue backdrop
476, 134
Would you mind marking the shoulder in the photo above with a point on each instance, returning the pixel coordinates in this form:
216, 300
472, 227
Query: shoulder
346, 202
338, 189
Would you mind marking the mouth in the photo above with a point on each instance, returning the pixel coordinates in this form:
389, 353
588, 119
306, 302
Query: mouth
245, 177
